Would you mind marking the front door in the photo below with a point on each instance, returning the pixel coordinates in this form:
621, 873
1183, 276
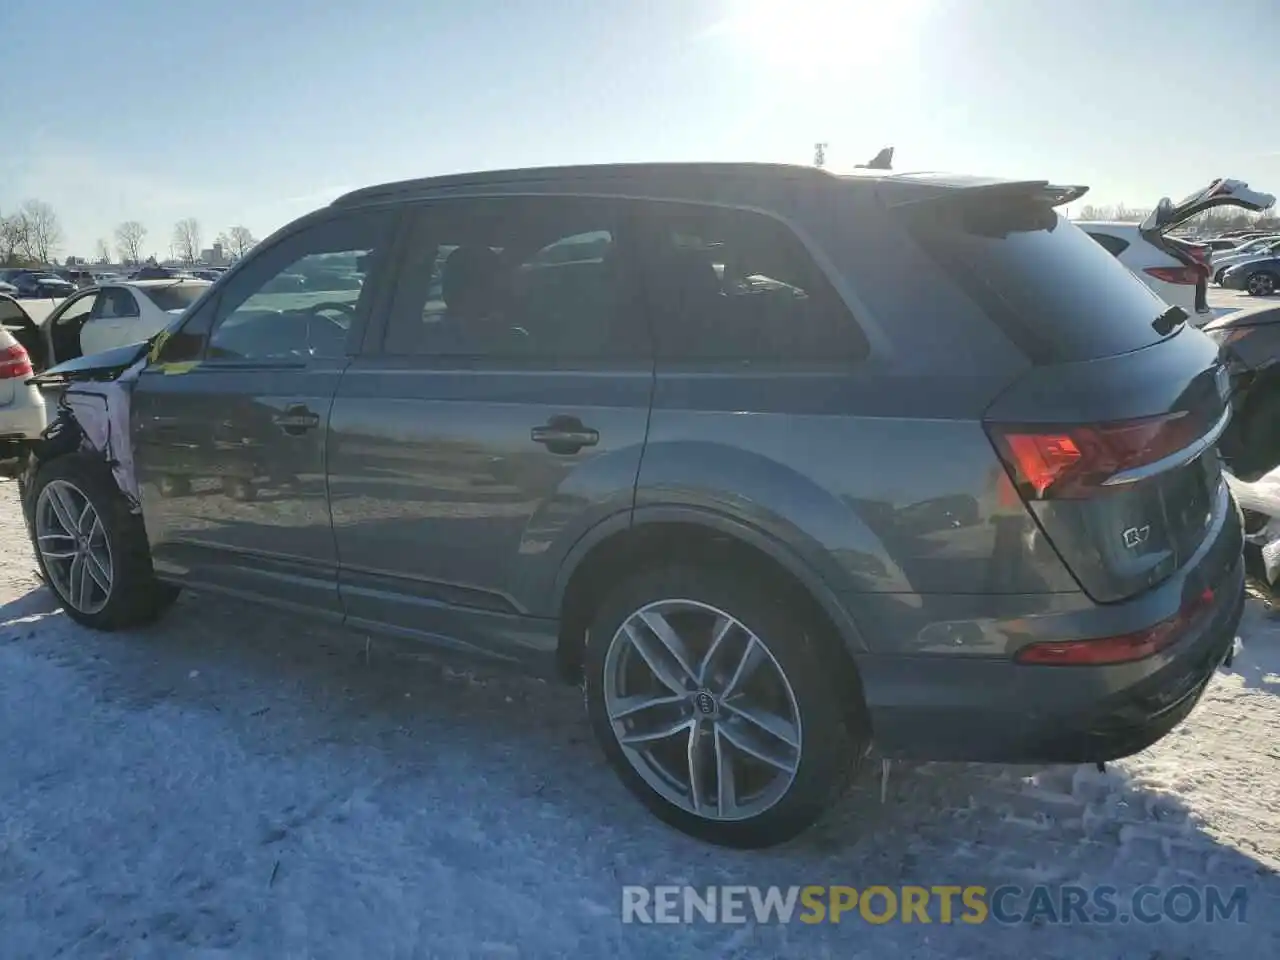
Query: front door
501, 416
230, 424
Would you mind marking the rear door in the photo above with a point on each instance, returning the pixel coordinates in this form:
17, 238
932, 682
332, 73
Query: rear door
230, 424
500, 415
1109, 438
113, 322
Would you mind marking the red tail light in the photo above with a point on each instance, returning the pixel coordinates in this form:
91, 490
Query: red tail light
1122, 649
1072, 462
14, 362
1190, 274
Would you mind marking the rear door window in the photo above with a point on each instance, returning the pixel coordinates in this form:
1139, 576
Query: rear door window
738, 286
1044, 281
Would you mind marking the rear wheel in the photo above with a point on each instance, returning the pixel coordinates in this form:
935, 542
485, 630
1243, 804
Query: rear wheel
1262, 284
711, 700
91, 549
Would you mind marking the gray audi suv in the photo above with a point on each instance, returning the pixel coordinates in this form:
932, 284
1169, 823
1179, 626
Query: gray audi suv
787, 469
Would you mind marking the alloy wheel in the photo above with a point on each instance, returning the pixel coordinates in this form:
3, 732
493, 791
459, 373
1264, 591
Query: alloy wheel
702, 710
73, 545
1261, 284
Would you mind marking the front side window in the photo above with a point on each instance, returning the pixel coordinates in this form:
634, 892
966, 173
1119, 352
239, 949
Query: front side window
299, 298
544, 279
732, 285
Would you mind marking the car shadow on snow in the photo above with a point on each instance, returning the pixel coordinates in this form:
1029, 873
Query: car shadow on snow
457, 752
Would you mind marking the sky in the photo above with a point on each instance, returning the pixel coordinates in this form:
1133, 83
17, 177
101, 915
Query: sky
253, 112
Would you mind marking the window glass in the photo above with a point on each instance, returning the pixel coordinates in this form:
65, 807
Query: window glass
1113, 245
115, 303
299, 298
542, 278
740, 286
78, 309
176, 298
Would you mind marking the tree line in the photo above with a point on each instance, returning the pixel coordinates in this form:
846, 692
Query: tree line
1217, 220
32, 235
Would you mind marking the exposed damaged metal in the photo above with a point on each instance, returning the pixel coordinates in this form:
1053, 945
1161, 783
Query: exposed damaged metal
92, 417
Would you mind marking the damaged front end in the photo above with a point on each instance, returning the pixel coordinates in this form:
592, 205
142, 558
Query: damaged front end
92, 417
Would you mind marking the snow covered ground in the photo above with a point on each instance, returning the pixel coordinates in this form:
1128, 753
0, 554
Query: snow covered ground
230, 783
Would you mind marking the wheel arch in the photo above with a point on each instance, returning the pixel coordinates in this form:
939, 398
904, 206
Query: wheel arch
626, 544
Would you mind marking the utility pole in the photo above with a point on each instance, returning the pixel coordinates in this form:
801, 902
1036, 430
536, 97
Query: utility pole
820, 154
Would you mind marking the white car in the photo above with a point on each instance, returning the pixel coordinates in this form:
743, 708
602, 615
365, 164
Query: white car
22, 412
115, 314
1177, 271
1253, 250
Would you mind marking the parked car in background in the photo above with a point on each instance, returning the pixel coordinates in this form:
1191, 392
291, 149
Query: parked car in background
1176, 270
1252, 250
114, 315
1259, 276
151, 271
37, 283
1219, 244
8, 289
785, 466
22, 412
81, 278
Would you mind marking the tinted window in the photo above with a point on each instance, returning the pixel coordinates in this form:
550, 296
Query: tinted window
539, 278
175, 298
738, 286
1053, 290
298, 298
1113, 245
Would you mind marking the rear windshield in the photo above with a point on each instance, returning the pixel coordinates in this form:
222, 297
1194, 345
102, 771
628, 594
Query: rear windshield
175, 298
1053, 290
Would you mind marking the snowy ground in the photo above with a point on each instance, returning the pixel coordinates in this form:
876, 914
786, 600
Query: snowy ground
233, 784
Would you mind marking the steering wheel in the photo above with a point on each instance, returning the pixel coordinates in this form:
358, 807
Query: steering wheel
336, 330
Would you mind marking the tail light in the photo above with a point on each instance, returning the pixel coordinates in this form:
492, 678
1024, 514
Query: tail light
1074, 462
14, 362
1121, 649
1184, 275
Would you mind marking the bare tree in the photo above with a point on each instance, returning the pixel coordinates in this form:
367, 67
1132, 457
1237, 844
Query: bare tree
129, 237
43, 232
186, 239
103, 252
239, 241
13, 237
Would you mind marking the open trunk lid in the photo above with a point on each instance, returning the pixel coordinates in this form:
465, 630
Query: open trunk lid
1109, 438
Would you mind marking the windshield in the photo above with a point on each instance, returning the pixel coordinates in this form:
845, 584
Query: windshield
177, 297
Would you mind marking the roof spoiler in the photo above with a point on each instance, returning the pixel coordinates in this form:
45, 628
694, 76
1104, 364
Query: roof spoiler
1051, 194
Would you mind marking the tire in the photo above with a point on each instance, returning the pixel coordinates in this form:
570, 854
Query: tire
1262, 284
134, 596
1217, 277
826, 752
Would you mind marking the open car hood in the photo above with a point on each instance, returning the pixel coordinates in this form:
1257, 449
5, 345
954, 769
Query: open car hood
106, 365
1220, 193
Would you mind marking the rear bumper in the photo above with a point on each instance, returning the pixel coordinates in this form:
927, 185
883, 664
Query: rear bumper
944, 708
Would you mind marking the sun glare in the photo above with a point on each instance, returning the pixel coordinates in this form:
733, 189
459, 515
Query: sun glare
823, 39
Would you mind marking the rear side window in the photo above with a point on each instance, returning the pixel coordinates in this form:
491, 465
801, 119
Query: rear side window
1113, 245
732, 285
176, 298
1053, 290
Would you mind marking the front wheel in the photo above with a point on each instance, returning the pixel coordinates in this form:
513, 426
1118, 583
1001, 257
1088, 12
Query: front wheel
711, 700
1262, 283
92, 550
